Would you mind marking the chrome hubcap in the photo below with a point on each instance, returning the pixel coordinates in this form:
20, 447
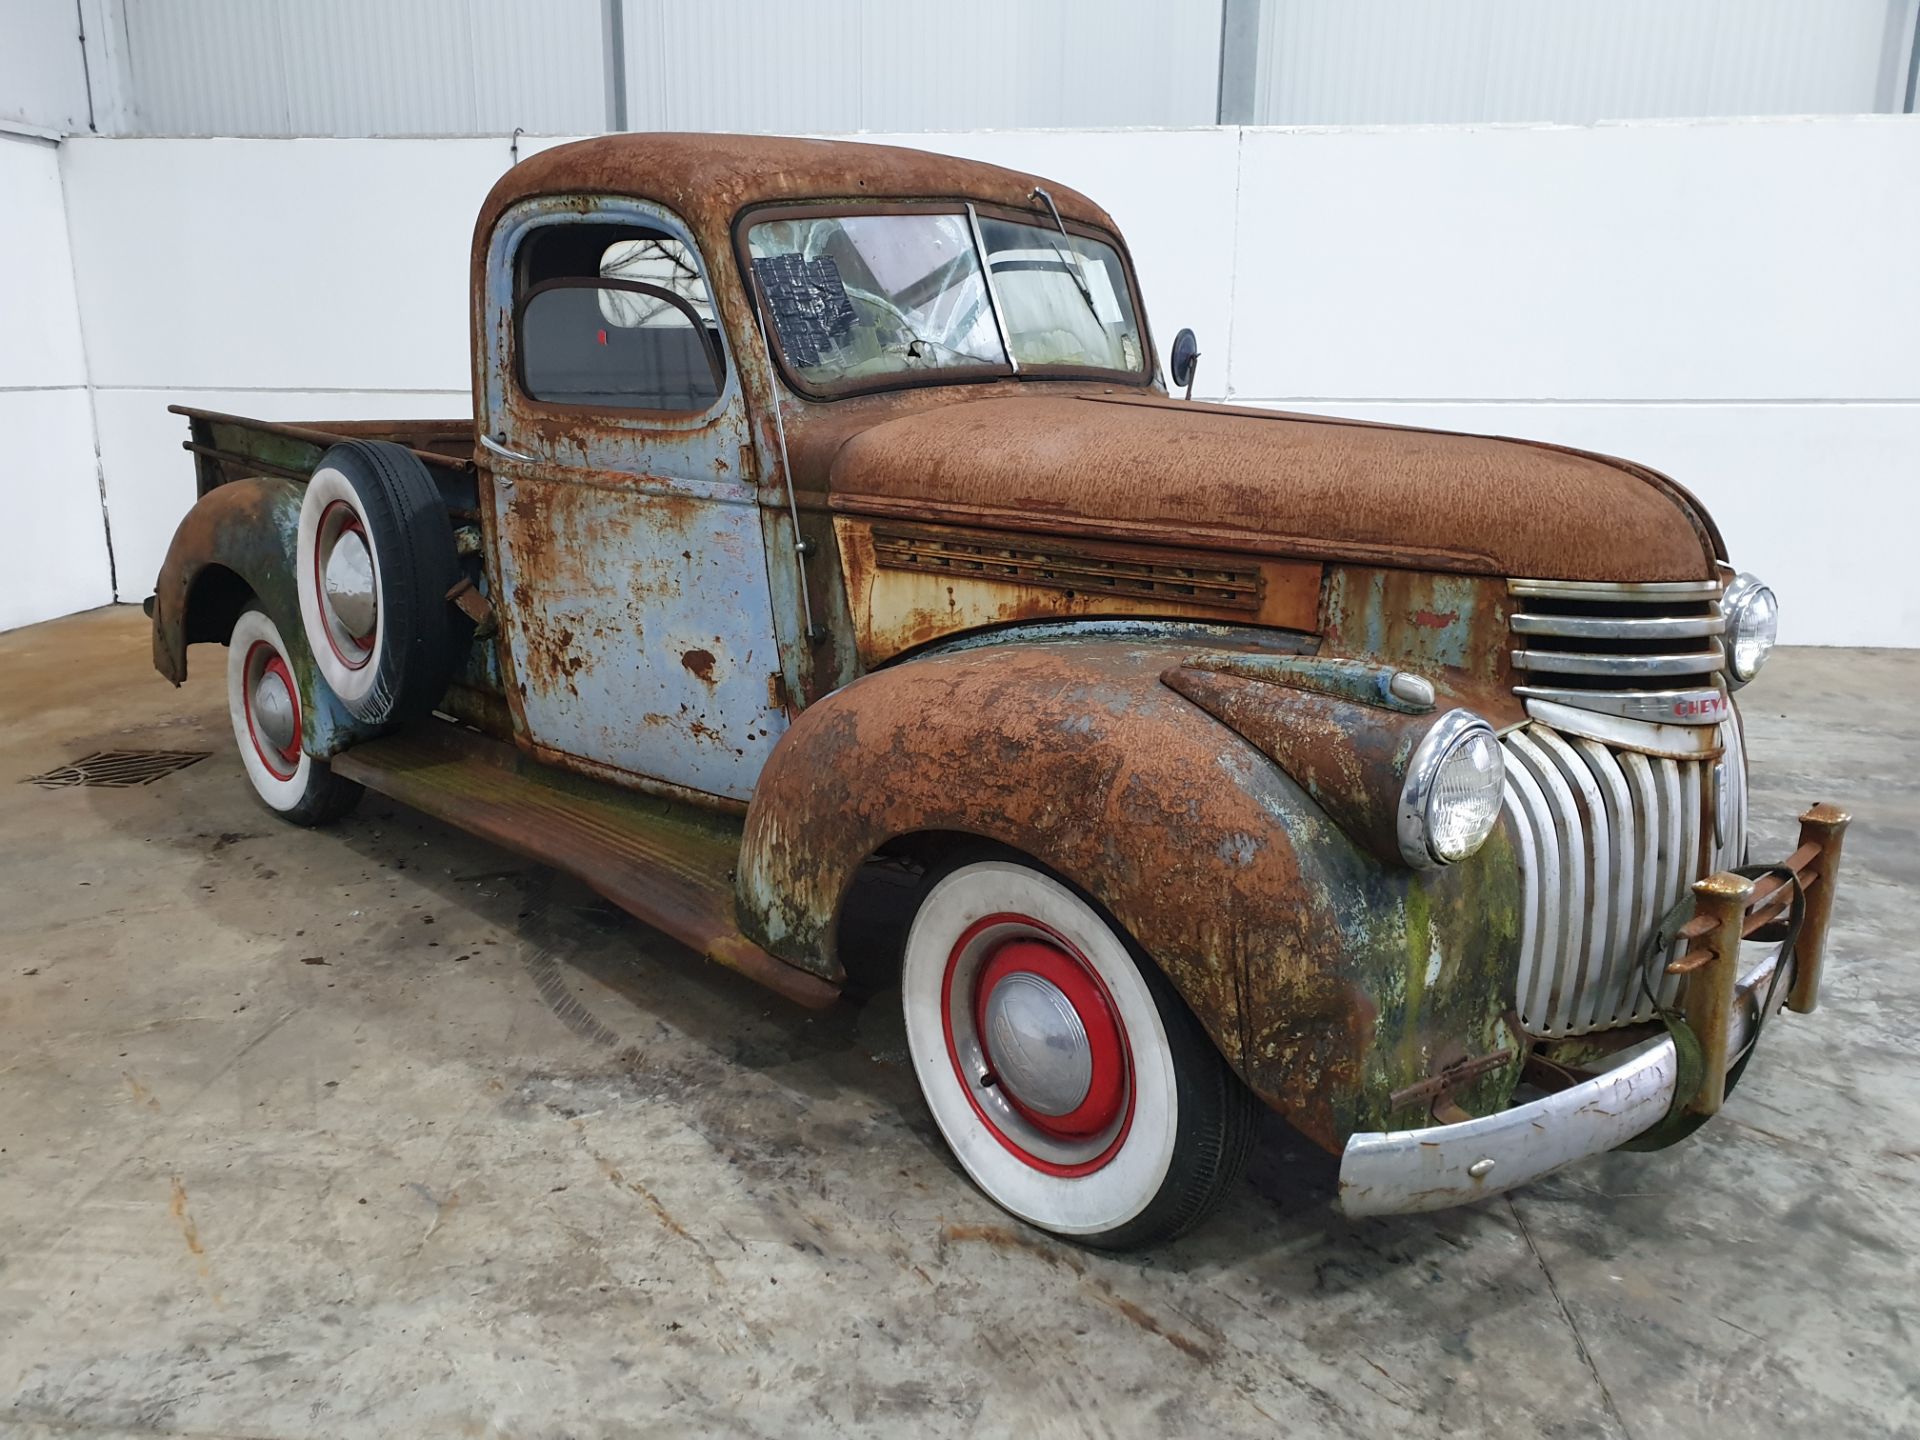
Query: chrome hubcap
1037, 1044
274, 711
347, 583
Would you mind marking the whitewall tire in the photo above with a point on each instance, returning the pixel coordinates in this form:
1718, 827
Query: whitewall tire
374, 560
263, 701
1066, 1075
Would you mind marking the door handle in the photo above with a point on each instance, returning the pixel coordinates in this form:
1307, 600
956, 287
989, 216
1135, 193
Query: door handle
489, 443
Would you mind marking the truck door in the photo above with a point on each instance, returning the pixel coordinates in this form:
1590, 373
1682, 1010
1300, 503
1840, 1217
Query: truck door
633, 594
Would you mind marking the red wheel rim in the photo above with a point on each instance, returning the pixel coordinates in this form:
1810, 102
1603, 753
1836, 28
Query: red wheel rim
282, 764
1068, 1142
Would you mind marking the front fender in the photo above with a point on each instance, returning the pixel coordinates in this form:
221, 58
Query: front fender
238, 543
1328, 977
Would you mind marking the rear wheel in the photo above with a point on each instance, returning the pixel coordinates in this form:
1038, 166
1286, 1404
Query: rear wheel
1067, 1076
263, 700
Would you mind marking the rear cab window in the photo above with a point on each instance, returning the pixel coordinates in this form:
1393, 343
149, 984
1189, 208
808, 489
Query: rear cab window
614, 317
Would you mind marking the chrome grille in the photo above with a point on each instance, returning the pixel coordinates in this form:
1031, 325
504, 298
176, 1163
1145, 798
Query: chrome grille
1647, 651
1608, 840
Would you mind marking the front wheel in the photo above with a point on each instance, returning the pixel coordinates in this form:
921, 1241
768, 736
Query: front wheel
1067, 1076
263, 700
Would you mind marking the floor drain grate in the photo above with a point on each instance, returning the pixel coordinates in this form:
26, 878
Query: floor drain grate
118, 768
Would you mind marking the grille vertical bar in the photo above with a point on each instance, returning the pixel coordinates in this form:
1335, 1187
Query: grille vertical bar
1608, 841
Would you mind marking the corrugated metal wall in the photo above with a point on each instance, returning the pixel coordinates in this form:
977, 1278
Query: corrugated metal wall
1386, 62
43, 83
365, 67
372, 67
834, 65
377, 67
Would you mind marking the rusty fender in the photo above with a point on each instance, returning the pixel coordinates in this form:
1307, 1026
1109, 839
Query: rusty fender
237, 539
1328, 977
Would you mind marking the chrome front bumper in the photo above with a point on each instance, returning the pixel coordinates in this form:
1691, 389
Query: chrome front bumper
1386, 1172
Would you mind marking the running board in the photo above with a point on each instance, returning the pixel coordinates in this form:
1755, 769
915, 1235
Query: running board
662, 862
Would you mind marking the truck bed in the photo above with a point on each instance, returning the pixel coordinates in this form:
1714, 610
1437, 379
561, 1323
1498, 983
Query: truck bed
233, 447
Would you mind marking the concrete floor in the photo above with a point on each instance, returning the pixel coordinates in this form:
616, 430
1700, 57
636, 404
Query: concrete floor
379, 1132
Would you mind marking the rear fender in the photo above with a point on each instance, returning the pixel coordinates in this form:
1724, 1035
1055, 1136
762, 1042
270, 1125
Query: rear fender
1328, 977
238, 544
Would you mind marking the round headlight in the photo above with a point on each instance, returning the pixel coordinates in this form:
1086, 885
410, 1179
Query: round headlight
1753, 619
1451, 800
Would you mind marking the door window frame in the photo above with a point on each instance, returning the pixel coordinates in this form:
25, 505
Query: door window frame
503, 391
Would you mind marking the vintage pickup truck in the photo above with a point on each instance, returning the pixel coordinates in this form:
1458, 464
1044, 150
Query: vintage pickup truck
825, 508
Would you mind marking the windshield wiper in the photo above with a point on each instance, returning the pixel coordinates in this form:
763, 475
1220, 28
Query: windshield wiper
1073, 271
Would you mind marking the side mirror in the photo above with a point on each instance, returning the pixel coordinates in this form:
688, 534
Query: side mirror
1184, 360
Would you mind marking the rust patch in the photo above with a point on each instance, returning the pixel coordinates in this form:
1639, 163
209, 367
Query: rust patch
1143, 468
700, 662
1005, 1238
178, 1209
908, 586
1185, 1344
1301, 953
1008, 1241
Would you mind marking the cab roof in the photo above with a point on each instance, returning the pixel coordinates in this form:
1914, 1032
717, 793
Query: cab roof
708, 179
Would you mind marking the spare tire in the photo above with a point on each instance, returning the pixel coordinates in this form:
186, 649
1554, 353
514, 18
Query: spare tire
374, 560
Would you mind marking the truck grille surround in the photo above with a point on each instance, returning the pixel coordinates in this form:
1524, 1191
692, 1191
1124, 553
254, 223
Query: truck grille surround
1632, 650
1608, 837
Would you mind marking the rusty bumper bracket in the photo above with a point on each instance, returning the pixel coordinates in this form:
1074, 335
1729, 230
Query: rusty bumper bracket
1439, 1088
1790, 903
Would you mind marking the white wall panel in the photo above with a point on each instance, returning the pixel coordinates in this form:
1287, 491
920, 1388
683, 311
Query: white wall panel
1380, 62
1674, 261
39, 330
43, 82
289, 264
53, 548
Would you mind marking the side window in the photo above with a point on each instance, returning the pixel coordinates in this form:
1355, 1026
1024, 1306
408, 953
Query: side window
614, 316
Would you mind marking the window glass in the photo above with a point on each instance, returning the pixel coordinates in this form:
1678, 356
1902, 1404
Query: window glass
863, 297
1064, 298
615, 316
657, 260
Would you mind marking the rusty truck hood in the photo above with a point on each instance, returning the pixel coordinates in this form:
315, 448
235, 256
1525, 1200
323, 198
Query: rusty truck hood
1152, 469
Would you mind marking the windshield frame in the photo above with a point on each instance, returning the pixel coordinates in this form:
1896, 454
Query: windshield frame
966, 209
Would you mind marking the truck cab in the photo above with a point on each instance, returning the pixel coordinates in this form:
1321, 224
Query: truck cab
825, 507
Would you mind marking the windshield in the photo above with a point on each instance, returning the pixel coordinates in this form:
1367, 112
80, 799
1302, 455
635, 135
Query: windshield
858, 301
1063, 297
